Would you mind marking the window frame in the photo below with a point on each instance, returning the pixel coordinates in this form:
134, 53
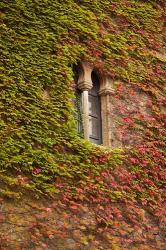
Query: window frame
84, 84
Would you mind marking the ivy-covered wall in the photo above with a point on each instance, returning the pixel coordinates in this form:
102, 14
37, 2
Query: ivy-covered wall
40, 150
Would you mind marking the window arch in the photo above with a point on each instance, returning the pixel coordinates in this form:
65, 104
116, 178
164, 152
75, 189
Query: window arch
93, 92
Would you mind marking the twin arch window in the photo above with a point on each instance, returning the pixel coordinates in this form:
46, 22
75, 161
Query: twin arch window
91, 105
94, 111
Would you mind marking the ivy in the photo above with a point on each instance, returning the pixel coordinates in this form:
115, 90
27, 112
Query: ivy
41, 151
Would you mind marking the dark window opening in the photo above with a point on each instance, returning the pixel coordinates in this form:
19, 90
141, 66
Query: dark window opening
95, 128
78, 113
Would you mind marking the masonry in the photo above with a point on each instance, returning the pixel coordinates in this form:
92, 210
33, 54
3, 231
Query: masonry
120, 103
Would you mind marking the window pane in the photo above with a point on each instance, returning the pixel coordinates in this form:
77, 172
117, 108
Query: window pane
93, 127
93, 105
80, 127
78, 114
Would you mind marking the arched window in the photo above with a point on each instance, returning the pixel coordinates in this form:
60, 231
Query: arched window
95, 126
92, 104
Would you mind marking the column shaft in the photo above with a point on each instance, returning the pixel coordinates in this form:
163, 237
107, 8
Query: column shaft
85, 109
105, 113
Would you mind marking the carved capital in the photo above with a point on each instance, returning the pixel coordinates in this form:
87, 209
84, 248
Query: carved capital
85, 81
106, 86
84, 85
106, 91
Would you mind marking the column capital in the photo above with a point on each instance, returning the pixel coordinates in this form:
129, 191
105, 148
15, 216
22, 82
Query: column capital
85, 81
106, 91
106, 86
85, 85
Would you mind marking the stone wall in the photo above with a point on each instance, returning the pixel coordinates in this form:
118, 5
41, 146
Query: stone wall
127, 106
37, 225
123, 107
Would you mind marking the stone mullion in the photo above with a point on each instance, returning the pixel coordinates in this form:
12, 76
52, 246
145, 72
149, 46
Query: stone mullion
85, 84
85, 113
105, 92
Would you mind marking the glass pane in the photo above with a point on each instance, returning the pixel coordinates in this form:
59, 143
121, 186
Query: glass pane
78, 113
93, 105
80, 127
93, 127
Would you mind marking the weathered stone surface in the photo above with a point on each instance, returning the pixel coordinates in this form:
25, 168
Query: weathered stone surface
36, 225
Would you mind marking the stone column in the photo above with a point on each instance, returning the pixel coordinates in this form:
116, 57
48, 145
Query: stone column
85, 113
85, 84
105, 92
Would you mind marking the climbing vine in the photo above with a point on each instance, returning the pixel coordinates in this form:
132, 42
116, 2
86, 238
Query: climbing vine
40, 150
